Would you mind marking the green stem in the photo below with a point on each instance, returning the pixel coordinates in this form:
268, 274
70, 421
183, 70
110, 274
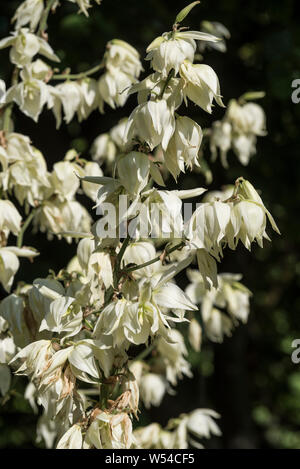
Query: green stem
24, 228
78, 76
170, 75
156, 259
145, 352
7, 116
44, 19
119, 260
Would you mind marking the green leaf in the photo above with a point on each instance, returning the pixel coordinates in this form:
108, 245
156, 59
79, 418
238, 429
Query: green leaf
185, 11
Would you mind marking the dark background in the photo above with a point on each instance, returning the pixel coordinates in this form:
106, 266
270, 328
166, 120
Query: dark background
250, 378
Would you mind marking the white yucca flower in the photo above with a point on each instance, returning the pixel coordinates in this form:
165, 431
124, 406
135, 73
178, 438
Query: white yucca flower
230, 294
110, 431
152, 122
72, 439
140, 253
247, 118
248, 218
28, 178
244, 147
170, 50
121, 55
55, 217
10, 219
198, 424
36, 357
201, 85
65, 180
113, 87
29, 12
9, 263
208, 226
147, 437
184, 146
31, 94
127, 321
201, 423
153, 388
91, 169
220, 138
103, 149
172, 353
25, 45
17, 147
81, 97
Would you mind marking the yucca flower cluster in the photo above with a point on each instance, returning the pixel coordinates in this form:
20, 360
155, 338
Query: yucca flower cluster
76, 334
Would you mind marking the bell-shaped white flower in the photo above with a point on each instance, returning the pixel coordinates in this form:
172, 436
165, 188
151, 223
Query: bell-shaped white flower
201, 423
152, 388
201, 85
63, 317
248, 222
29, 12
172, 353
25, 45
220, 139
151, 122
9, 263
247, 118
110, 431
104, 150
91, 169
64, 179
57, 217
30, 94
121, 55
89, 98
10, 219
29, 178
7, 349
170, 50
113, 87
72, 439
133, 171
244, 147
36, 358
117, 133
207, 226
68, 95
184, 146
140, 253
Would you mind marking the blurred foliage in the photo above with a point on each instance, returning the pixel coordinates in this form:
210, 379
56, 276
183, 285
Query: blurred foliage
250, 378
